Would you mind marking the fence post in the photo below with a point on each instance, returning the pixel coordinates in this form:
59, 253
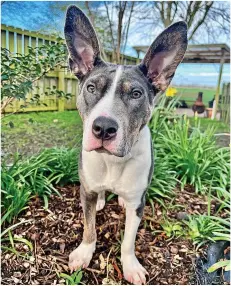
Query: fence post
61, 87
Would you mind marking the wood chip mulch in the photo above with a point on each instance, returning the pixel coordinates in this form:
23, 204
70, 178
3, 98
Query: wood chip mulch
55, 232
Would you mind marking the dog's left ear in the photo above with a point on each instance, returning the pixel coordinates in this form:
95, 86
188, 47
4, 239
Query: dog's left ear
165, 54
81, 41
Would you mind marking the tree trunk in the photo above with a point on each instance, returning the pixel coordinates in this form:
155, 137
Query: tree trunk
122, 7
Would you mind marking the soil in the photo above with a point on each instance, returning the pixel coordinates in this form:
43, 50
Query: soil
57, 231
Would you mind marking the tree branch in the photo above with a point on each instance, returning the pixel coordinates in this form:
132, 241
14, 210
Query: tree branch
201, 21
92, 17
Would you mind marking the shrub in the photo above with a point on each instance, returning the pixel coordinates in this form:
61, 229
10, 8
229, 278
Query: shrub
21, 72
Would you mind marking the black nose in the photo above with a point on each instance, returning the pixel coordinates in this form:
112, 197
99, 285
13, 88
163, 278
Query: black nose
104, 128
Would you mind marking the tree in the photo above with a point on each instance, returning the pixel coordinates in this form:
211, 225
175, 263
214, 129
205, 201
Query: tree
20, 72
119, 28
196, 14
111, 20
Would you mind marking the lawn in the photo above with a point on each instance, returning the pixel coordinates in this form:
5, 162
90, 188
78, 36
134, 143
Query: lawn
189, 94
220, 126
28, 133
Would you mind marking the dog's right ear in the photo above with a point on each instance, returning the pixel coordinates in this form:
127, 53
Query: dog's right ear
82, 42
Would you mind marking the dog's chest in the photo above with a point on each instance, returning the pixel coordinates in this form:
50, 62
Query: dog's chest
103, 174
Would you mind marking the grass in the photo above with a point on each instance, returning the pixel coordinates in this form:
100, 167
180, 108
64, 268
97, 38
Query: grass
220, 127
29, 133
189, 94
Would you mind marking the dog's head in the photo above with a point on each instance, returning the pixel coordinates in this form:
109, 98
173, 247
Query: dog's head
115, 101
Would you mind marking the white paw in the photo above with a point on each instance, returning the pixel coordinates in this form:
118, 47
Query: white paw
121, 202
133, 271
100, 204
81, 256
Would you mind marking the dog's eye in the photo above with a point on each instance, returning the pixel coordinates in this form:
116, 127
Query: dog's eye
91, 88
136, 94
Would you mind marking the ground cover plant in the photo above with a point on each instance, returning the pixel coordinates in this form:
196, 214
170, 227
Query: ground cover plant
187, 207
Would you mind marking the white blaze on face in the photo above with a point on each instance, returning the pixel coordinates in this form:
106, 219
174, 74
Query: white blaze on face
103, 108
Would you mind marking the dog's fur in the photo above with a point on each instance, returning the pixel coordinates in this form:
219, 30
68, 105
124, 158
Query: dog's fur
121, 98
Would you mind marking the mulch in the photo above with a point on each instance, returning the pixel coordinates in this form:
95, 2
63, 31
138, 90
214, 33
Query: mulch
57, 231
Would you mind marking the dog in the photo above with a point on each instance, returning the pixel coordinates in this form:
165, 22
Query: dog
115, 103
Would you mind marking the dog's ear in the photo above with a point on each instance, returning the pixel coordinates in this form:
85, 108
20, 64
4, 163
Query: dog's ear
165, 54
81, 41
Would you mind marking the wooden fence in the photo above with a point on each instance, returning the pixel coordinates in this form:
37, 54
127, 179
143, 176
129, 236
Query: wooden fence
17, 41
225, 103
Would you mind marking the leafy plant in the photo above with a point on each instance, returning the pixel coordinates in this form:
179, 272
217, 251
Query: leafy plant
73, 279
164, 177
163, 180
14, 196
220, 264
6, 235
21, 72
172, 229
36, 176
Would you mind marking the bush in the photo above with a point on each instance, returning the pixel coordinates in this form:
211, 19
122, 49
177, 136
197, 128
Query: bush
21, 72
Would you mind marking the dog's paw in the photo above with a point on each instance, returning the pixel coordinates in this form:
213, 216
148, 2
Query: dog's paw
81, 256
121, 202
100, 204
133, 271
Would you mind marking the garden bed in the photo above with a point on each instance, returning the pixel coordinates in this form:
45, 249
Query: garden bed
55, 232
188, 204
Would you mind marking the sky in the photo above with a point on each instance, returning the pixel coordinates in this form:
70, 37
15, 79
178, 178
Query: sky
39, 16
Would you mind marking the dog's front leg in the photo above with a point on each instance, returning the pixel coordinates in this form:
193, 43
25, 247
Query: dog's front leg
133, 271
82, 255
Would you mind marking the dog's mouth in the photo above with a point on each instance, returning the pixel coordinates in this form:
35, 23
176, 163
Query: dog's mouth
105, 151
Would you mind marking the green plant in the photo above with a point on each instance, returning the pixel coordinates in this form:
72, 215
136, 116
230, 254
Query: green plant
195, 156
172, 229
65, 168
74, 279
21, 72
15, 196
204, 228
192, 154
220, 264
36, 176
6, 236
163, 180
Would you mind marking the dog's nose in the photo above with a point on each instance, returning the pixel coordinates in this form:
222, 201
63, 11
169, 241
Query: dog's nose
104, 128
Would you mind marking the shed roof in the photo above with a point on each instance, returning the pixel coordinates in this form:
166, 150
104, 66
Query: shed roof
206, 53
